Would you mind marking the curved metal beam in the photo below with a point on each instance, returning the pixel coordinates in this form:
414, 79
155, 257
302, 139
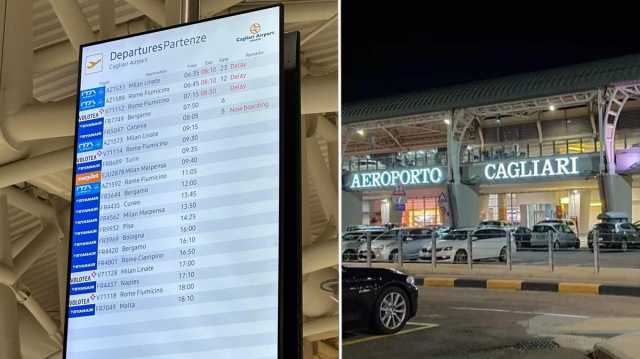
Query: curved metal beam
615, 99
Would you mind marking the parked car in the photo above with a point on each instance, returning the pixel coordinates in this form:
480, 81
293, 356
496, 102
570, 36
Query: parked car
352, 240
618, 235
387, 246
522, 236
561, 236
487, 243
636, 225
569, 222
377, 299
494, 223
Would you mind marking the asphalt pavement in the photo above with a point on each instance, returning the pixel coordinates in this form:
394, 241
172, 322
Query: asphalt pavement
461, 323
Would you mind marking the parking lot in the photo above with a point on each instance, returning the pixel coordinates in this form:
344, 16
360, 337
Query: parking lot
456, 323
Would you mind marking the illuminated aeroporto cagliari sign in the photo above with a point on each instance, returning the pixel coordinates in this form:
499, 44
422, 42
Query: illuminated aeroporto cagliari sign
549, 167
392, 178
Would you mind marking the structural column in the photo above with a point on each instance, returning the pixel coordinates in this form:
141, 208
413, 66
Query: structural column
503, 204
464, 199
351, 208
615, 190
9, 329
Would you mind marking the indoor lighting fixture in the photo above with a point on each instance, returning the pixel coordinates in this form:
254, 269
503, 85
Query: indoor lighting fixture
360, 132
447, 121
552, 108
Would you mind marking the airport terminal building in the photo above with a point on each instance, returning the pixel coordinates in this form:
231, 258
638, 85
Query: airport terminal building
560, 143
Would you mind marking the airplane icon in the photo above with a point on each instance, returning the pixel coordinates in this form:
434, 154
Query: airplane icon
93, 64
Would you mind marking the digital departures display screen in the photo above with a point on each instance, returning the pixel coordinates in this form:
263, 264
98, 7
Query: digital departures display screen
174, 245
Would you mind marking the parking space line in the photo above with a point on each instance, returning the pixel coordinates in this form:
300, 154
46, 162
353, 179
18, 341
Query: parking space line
521, 312
420, 326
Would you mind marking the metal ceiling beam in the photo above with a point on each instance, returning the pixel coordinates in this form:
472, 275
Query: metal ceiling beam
33, 167
210, 8
9, 329
41, 121
21, 243
319, 94
73, 22
400, 146
16, 56
322, 179
332, 20
107, 18
154, 9
34, 251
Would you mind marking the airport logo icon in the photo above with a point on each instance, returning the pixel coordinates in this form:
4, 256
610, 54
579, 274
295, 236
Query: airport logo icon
255, 28
93, 64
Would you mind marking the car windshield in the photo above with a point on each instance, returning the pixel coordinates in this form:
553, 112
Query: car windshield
389, 236
607, 227
456, 236
540, 228
352, 236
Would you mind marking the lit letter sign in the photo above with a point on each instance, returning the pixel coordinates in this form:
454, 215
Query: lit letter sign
532, 168
392, 178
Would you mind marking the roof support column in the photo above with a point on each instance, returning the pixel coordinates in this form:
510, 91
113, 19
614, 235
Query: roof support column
464, 201
453, 146
73, 22
615, 190
9, 331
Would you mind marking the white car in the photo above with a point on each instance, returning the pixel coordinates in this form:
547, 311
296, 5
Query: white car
352, 240
487, 243
387, 246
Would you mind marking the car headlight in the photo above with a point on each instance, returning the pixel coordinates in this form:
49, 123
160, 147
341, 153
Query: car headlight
377, 248
411, 280
447, 249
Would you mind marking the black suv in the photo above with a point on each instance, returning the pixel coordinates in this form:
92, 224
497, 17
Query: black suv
619, 235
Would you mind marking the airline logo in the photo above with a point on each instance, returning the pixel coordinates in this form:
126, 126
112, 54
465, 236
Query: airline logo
92, 98
91, 145
82, 288
83, 277
91, 125
89, 157
93, 64
91, 114
89, 167
82, 311
89, 177
88, 189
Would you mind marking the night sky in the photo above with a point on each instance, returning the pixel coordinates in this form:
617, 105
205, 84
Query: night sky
393, 50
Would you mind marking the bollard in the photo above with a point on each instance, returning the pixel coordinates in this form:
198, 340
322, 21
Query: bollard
433, 250
368, 249
550, 249
470, 250
596, 251
401, 250
509, 236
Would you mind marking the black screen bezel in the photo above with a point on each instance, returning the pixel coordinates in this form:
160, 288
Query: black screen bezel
289, 271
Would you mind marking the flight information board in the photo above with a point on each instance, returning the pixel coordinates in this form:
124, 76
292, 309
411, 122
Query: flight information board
175, 222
